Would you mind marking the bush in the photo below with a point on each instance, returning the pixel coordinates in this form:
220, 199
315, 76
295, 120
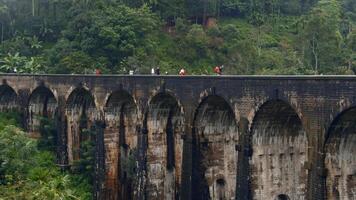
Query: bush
29, 173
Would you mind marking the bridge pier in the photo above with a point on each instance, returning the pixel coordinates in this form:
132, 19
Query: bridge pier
243, 184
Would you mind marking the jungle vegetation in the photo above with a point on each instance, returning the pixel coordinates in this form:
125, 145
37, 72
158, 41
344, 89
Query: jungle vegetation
115, 36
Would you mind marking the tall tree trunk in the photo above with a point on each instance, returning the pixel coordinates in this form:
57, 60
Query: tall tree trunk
218, 8
33, 8
204, 11
55, 11
315, 53
2, 32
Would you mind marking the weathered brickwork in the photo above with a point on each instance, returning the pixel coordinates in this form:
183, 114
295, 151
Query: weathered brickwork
196, 137
340, 158
120, 140
215, 138
279, 146
164, 151
42, 103
80, 113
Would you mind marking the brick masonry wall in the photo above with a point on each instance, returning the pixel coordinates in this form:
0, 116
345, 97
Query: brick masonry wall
316, 100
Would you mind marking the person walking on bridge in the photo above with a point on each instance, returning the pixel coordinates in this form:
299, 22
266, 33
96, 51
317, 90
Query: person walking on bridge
182, 72
218, 69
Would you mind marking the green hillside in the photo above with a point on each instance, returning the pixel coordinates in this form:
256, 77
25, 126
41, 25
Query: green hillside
247, 37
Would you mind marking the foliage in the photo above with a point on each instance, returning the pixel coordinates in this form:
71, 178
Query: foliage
29, 173
322, 37
112, 33
128, 164
48, 139
85, 164
247, 36
16, 63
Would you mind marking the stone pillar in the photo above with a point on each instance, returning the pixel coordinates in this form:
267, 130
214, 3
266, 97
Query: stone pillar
99, 165
141, 162
61, 127
317, 174
21, 101
317, 178
186, 184
243, 185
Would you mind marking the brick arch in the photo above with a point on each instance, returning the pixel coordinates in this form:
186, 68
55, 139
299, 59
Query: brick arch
279, 149
79, 96
215, 135
214, 92
340, 108
80, 112
8, 98
41, 103
260, 104
340, 160
165, 92
40, 89
165, 126
120, 140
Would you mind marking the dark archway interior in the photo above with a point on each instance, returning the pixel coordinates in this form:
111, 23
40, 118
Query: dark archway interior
120, 118
282, 197
42, 104
276, 118
120, 113
340, 149
279, 147
220, 189
80, 99
214, 139
165, 126
80, 115
8, 98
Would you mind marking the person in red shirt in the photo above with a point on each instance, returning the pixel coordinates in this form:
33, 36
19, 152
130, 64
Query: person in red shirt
217, 70
182, 72
97, 72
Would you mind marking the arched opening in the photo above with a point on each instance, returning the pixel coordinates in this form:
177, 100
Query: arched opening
80, 113
282, 197
279, 146
42, 108
164, 153
215, 135
220, 189
120, 139
340, 159
8, 99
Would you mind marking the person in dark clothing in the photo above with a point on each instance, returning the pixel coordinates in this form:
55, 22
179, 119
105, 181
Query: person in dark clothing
158, 72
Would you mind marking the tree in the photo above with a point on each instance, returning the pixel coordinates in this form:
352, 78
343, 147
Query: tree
21, 64
111, 31
350, 51
28, 173
321, 36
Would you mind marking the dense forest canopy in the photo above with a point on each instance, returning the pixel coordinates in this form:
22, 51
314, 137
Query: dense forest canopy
246, 36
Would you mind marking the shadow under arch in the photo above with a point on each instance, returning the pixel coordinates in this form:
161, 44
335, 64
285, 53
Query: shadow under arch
120, 140
41, 104
282, 197
80, 113
340, 159
8, 99
165, 126
279, 150
215, 135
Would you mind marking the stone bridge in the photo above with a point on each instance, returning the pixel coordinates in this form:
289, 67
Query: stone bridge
200, 137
